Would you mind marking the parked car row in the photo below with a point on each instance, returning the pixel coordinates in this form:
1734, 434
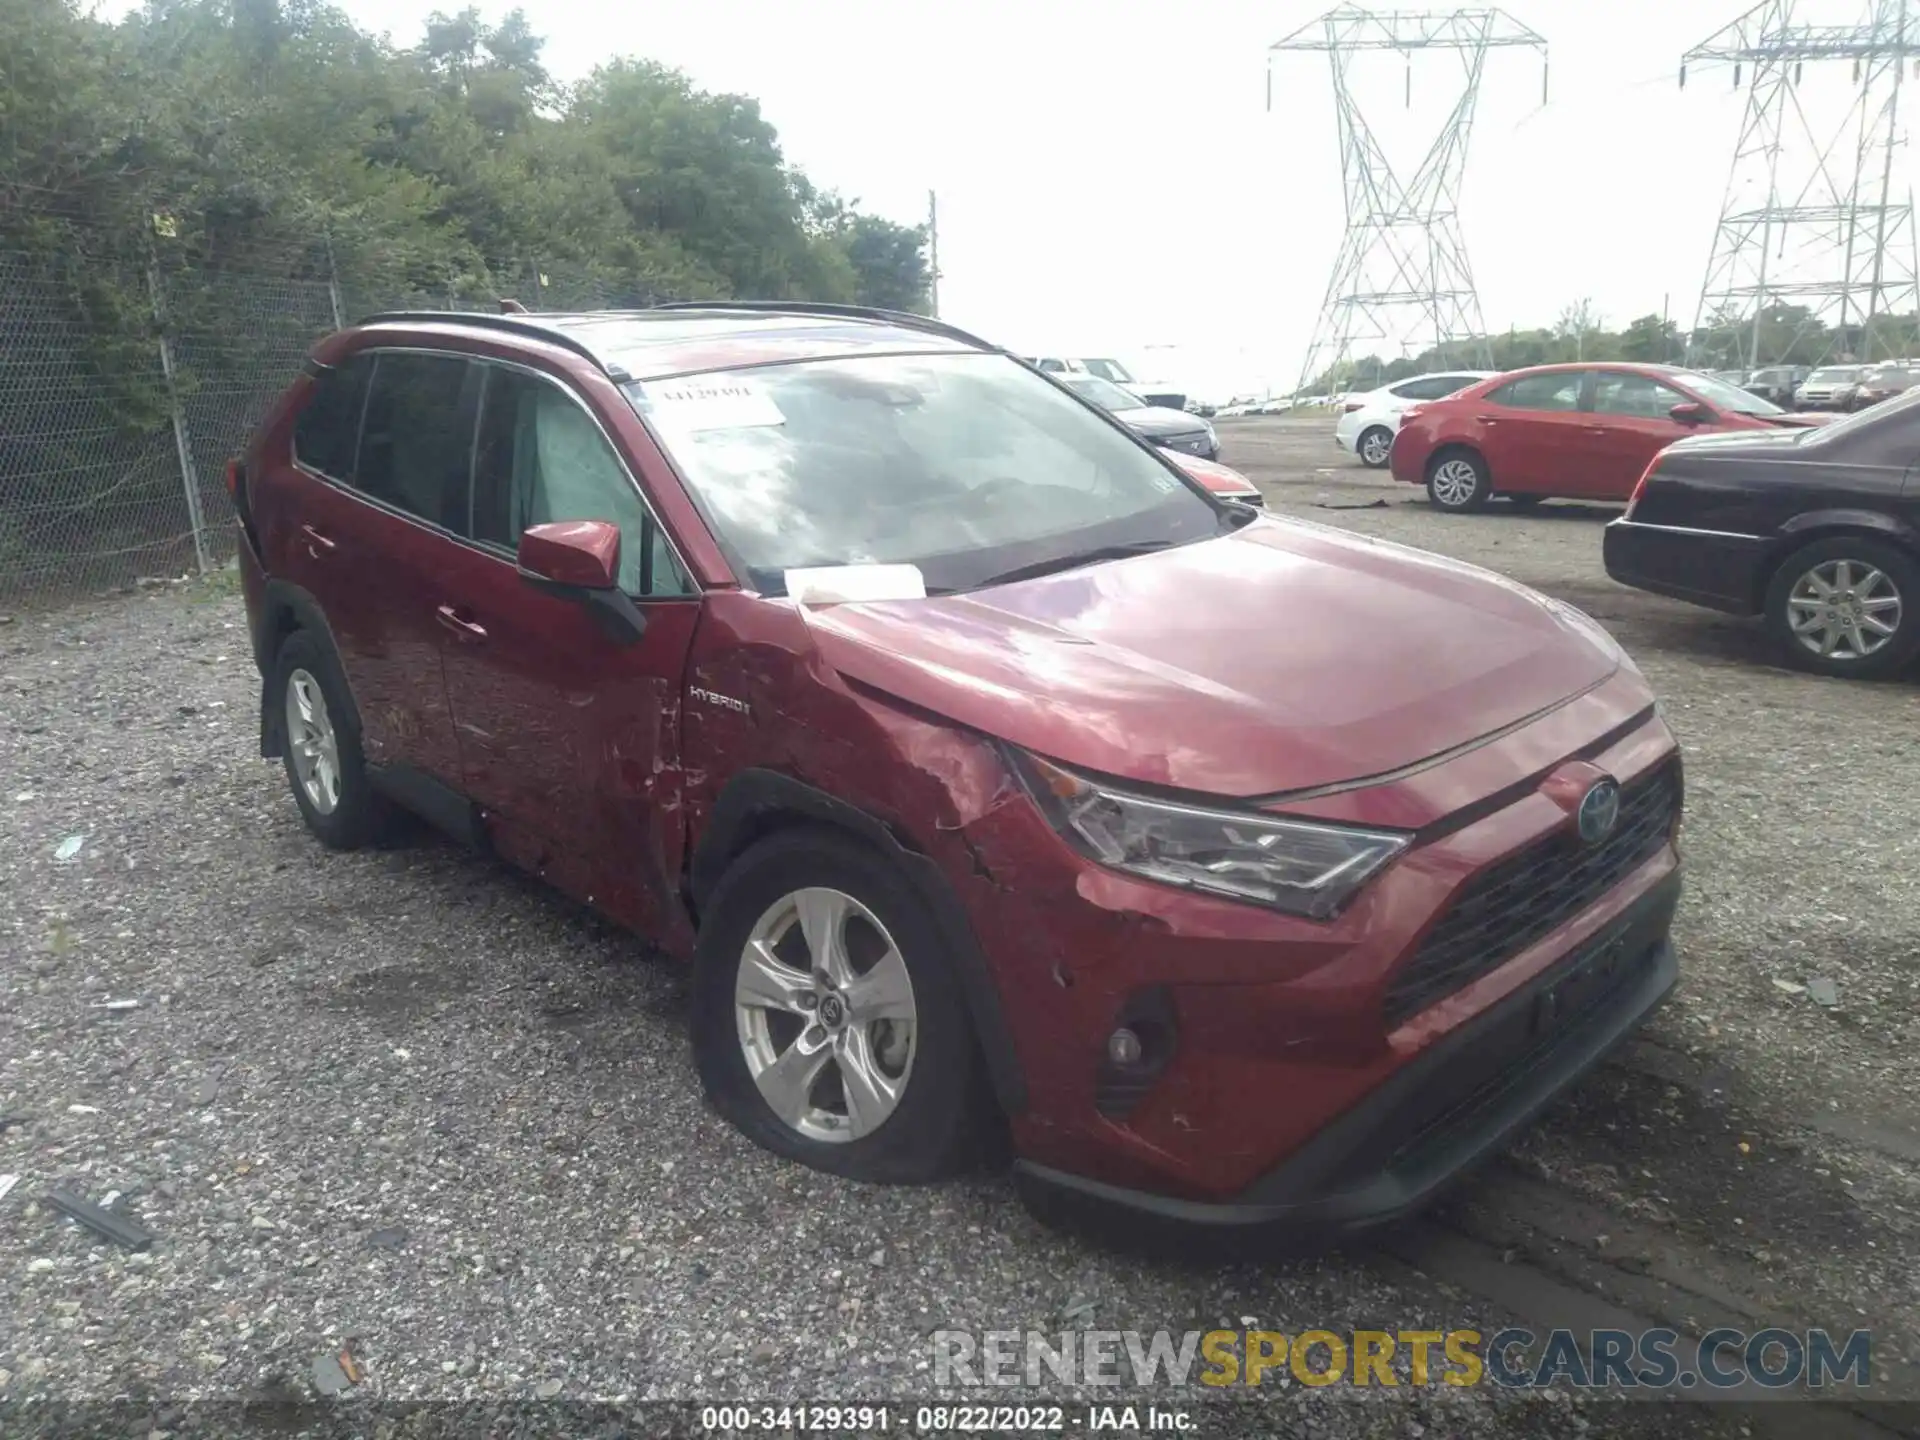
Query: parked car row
1833, 387
882, 679
1732, 502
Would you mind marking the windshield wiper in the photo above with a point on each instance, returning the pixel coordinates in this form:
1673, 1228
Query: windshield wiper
1071, 561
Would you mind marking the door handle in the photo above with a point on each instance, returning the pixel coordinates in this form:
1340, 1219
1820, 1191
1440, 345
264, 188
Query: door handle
316, 542
464, 628
1487, 419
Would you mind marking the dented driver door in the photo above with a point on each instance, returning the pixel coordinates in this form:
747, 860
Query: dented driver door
569, 730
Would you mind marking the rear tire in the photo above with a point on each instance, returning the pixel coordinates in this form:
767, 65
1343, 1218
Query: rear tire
320, 745
1457, 481
1374, 447
904, 1102
1846, 606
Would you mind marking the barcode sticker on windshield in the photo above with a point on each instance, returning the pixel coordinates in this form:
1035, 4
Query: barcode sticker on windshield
715, 404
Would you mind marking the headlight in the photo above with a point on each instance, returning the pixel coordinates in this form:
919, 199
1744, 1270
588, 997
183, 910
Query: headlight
1298, 866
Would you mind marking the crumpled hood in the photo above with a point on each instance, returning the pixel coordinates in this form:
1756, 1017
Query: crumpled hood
1282, 657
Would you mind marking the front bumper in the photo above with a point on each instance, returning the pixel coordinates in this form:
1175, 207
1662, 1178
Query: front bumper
1454, 1105
1254, 1003
1710, 568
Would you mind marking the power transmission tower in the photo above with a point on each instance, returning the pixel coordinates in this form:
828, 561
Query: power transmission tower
1402, 281
1813, 222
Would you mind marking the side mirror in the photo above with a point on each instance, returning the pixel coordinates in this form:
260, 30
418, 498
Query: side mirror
571, 555
580, 560
1690, 412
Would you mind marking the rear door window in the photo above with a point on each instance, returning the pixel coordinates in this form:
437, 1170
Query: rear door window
416, 442
328, 430
1557, 391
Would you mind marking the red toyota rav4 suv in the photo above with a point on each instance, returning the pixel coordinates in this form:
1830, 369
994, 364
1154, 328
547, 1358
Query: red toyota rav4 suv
910, 697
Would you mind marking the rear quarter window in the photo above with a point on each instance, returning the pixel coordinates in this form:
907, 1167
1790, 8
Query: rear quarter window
327, 432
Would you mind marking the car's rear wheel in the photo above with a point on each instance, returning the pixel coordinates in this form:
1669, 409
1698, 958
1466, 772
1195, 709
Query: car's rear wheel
1844, 606
320, 745
1458, 481
1374, 446
829, 1024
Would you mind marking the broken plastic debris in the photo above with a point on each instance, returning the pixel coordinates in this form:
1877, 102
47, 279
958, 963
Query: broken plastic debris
116, 1005
7, 1182
1824, 992
840, 584
1789, 987
104, 1223
330, 1376
83, 1109
69, 847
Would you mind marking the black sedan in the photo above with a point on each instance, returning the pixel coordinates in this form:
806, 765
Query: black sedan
1818, 530
1170, 429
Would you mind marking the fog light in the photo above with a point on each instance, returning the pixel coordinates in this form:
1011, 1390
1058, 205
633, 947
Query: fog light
1124, 1048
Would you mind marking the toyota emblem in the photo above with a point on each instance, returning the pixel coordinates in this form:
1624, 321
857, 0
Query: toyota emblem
1599, 811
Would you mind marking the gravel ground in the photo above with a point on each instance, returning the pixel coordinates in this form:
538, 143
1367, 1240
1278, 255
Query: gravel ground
408, 1099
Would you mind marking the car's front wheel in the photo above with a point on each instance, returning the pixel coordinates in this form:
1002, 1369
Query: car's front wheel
1844, 606
1374, 447
1458, 481
829, 1024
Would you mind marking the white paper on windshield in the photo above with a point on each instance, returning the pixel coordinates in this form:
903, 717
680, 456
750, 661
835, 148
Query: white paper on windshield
841, 584
711, 404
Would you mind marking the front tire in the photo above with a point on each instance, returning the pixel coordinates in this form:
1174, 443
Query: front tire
1374, 447
829, 1025
1844, 607
1457, 481
320, 745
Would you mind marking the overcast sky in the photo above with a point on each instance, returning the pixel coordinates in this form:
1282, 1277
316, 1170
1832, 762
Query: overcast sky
1110, 181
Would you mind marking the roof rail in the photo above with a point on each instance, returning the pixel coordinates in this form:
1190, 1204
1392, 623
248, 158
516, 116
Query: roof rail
528, 325
905, 319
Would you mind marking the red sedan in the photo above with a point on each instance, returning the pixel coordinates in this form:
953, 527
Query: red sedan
1585, 432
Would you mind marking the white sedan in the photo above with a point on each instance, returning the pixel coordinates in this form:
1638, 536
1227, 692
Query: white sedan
1368, 422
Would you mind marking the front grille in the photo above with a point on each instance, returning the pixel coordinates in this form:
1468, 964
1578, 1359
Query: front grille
1513, 904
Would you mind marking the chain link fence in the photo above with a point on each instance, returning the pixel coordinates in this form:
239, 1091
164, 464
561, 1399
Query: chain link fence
127, 381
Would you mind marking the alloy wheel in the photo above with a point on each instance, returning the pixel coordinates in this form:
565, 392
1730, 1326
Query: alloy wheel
1454, 482
313, 742
824, 1009
1375, 446
1844, 610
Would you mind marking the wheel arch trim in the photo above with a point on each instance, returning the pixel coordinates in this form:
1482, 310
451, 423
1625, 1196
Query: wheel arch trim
285, 599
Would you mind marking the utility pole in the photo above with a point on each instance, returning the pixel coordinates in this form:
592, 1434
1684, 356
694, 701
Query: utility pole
933, 251
1401, 279
1811, 252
